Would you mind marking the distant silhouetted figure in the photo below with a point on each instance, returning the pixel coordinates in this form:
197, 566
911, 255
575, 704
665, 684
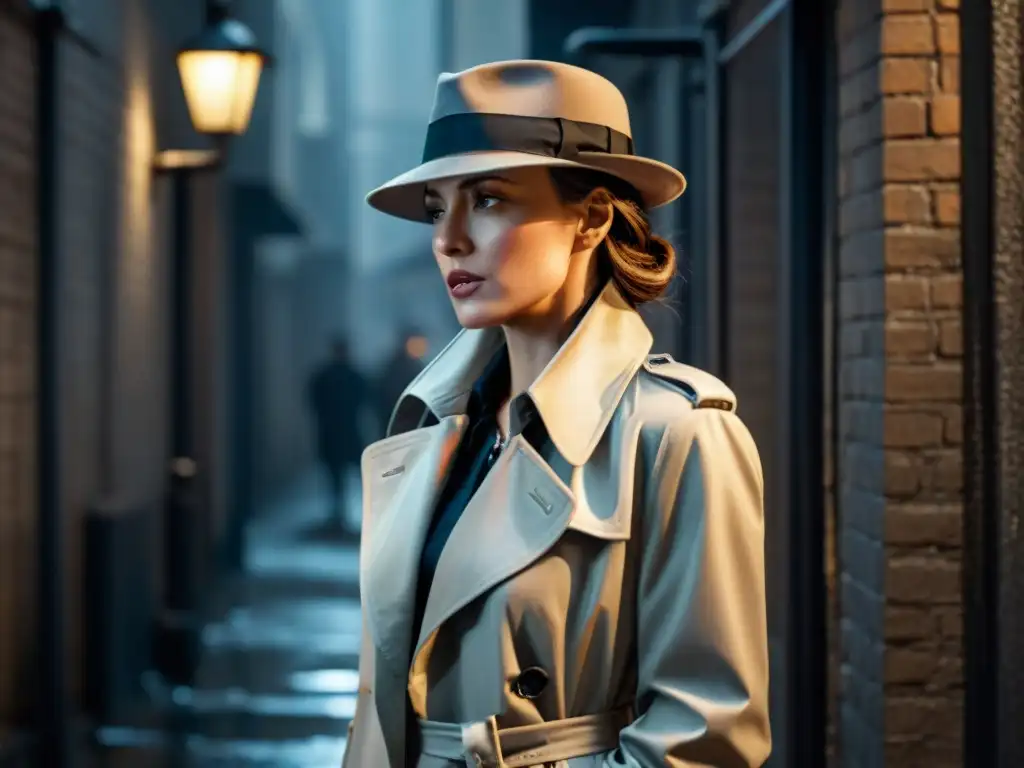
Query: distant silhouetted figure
403, 365
336, 395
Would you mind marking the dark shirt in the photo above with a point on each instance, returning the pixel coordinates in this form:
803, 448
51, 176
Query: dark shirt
473, 460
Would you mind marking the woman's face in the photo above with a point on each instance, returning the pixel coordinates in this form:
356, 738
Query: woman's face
506, 244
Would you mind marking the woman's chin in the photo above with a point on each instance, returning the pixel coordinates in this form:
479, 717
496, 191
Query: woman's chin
473, 315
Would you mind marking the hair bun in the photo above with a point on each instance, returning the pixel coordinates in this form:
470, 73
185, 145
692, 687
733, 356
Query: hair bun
643, 264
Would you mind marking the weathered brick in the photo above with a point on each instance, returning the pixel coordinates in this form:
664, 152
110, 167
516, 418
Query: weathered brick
915, 751
909, 622
948, 478
860, 298
923, 525
909, 339
947, 27
906, 6
921, 717
910, 429
904, 204
857, 131
865, 170
903, 475
945, 114
907, 35
923, 578
858, 91
949, 74
951, 621
923, 383
921, 160
947, 206
948, 673
951, 338
914, 248
947, 291
909, 665
862, 255
860, 212
954, 425
905, 293
911, 76
904, 117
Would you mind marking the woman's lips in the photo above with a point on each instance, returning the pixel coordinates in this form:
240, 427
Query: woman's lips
463, 284
464, 290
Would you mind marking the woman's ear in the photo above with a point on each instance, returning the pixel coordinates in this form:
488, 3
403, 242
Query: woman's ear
596, 218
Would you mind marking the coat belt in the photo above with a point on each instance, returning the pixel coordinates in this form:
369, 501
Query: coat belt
484, 745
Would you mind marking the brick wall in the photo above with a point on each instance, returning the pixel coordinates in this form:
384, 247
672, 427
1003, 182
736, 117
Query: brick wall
899, 390
18, 259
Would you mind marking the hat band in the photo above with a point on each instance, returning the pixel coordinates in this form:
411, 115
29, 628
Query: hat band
548, 136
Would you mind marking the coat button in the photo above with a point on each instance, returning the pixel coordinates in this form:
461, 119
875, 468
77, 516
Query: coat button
531, 683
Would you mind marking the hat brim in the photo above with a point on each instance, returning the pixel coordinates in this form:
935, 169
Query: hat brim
657, 182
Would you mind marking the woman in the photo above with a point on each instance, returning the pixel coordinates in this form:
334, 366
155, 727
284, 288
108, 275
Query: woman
562, 555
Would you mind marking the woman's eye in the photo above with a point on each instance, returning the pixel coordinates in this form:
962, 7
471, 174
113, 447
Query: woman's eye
434, 214
486, 201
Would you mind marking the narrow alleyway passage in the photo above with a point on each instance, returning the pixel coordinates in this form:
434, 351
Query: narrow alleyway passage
277, 684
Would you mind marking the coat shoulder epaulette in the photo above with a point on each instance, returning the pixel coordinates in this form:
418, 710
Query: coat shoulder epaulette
700, 387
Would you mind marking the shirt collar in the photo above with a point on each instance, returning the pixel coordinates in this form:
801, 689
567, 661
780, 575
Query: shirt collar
575, 395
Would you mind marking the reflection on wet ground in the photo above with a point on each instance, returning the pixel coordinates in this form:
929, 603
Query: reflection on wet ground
277, 684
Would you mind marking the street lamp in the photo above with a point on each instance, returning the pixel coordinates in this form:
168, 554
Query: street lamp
220, 73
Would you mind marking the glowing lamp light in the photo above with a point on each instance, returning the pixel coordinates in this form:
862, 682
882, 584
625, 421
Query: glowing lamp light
220, 74
416, 347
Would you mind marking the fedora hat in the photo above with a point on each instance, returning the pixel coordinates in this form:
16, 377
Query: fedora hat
517, 114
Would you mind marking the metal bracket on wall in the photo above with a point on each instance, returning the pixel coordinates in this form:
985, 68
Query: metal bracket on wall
186, 160
685, 42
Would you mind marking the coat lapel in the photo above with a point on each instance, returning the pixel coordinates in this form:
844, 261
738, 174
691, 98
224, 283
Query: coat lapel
402, 476
521, 510
523, 506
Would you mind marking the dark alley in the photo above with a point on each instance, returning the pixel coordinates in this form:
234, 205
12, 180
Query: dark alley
276, 685
662, 356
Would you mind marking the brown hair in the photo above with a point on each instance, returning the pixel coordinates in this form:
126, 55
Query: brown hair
641, 263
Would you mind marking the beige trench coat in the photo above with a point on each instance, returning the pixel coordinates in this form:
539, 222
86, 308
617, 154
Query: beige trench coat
623, 575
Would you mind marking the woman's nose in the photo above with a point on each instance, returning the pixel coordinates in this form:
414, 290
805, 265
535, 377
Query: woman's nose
451, 236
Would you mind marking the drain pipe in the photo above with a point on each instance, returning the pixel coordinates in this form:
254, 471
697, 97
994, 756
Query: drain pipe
53, 714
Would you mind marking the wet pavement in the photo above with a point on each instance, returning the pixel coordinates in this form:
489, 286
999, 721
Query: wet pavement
277, 683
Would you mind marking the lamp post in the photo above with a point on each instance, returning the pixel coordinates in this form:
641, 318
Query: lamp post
220, 72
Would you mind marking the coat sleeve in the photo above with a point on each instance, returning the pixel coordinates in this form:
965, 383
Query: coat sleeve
702, 646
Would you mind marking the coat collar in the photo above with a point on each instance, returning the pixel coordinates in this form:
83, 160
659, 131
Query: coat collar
576, 393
